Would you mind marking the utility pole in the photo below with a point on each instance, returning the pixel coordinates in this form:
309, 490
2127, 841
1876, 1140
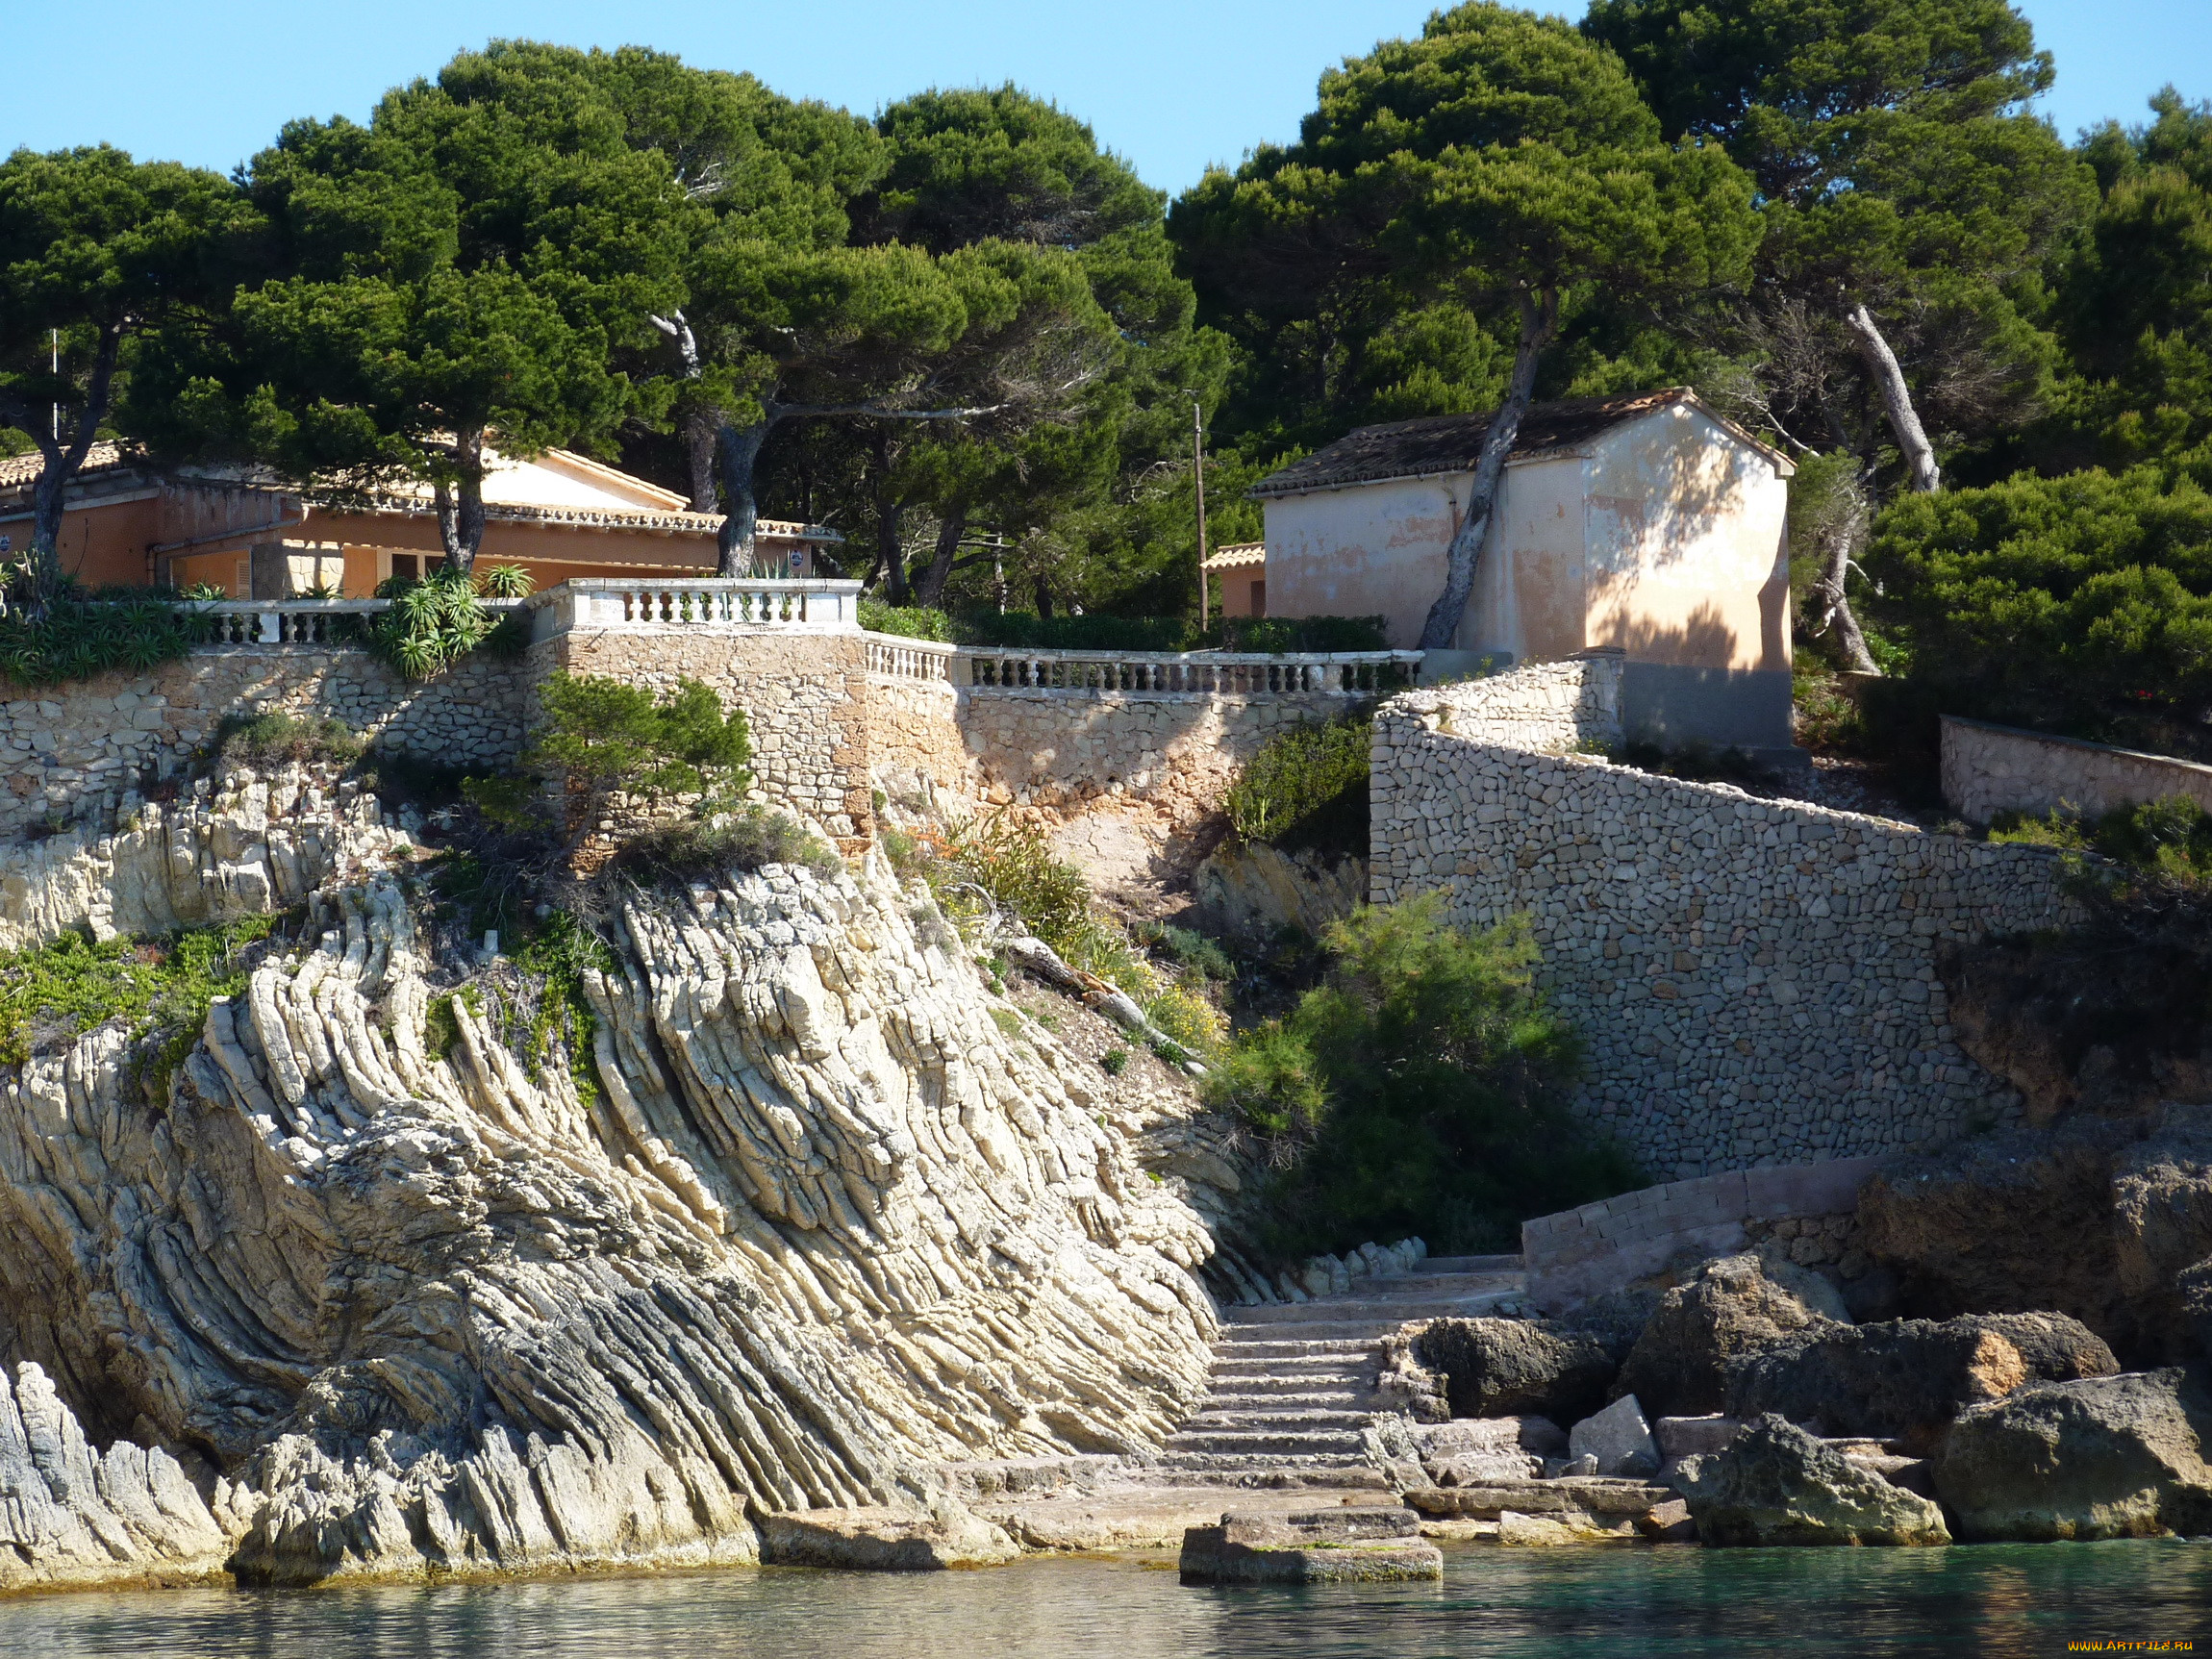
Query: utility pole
1198, 476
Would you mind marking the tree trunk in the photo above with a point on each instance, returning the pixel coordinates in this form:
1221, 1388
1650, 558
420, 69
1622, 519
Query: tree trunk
1043, 598
49, 496
737, 448
1897, 399
1539, 321
929, 588
460, 503
697, 424
1831, 603
699, 427
889, 515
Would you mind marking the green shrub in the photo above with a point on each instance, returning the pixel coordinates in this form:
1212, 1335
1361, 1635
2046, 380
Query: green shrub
51, 992
1420, 1089
2078, 604
281, 736
560, 950
1114, 1062
2167, 841
82, 634
1301, 634
1000, 864
911, 621
692, 849
603, 737
506, 582
1193, 951
1308, 787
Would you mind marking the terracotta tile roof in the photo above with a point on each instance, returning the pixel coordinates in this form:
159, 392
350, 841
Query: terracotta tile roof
1443, 444
1238, 556
20, 470
615, 518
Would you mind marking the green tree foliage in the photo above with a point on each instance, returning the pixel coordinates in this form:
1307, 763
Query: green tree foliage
1500, 169
1898, 168
2080, 603
604, 738
97, 252
465, 264
1420, 1090
1377, 268
2135, 304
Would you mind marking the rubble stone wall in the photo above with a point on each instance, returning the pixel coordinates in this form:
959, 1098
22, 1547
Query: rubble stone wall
1754, 980
73, 752
805, 695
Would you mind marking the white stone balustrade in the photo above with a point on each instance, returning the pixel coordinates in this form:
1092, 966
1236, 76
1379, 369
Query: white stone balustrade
652, 605
293, 621
1193, 673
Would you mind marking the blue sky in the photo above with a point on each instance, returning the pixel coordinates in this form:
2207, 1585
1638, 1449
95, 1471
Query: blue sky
1171, 84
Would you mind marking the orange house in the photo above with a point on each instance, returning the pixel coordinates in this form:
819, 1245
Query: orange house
128, 522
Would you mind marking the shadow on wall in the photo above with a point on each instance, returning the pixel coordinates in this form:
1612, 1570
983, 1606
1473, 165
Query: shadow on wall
1183, 750
1666, 699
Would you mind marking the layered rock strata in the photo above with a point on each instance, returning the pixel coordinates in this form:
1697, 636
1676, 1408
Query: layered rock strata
806, 1223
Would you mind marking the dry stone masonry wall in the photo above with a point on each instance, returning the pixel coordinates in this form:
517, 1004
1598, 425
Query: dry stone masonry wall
806, 696
1755, 981
71, 753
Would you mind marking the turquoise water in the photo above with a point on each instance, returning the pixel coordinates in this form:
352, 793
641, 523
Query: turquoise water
1589, 1603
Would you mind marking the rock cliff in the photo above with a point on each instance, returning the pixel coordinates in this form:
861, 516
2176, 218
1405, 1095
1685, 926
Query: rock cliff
815, 1213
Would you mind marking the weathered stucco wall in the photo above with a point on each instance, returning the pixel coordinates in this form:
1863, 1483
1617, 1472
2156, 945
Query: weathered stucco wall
73, 751
1755, 981
1988, 769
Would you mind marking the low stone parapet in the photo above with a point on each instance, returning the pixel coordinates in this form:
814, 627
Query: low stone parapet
1581, 1253
1990, 769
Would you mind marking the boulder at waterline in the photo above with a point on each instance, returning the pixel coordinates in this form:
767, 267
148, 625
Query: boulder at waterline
1908, 1378
1468, 1450
884, 1540
1777, 1485
1617, 1438
2015, 1221
2162, 1220
1493, 1367
2105, 1457
1729, 1307
1344, 1544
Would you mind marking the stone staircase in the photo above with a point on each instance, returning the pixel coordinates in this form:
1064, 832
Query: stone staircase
1292, 1399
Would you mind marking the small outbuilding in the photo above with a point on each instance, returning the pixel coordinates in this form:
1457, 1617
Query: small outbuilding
1645, 523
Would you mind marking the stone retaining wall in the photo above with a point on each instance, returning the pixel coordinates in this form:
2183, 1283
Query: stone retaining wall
72, 752
1755, 981
1988, 769
805, 695
1175, 753
1579, 1253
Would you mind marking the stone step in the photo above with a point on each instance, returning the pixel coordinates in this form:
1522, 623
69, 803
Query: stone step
1348, 1313
1271, 1344
1246, 1397
1260, 1443
1434, 1285
1246, 1466
1299, 1370
1235, 1476
1302, 1417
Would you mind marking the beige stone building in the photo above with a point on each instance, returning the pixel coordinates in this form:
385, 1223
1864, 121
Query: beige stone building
1646, 524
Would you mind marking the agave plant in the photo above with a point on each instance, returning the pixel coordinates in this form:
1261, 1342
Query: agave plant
507, 582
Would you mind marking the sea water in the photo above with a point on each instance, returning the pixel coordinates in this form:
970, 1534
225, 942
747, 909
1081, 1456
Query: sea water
1589, 1603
